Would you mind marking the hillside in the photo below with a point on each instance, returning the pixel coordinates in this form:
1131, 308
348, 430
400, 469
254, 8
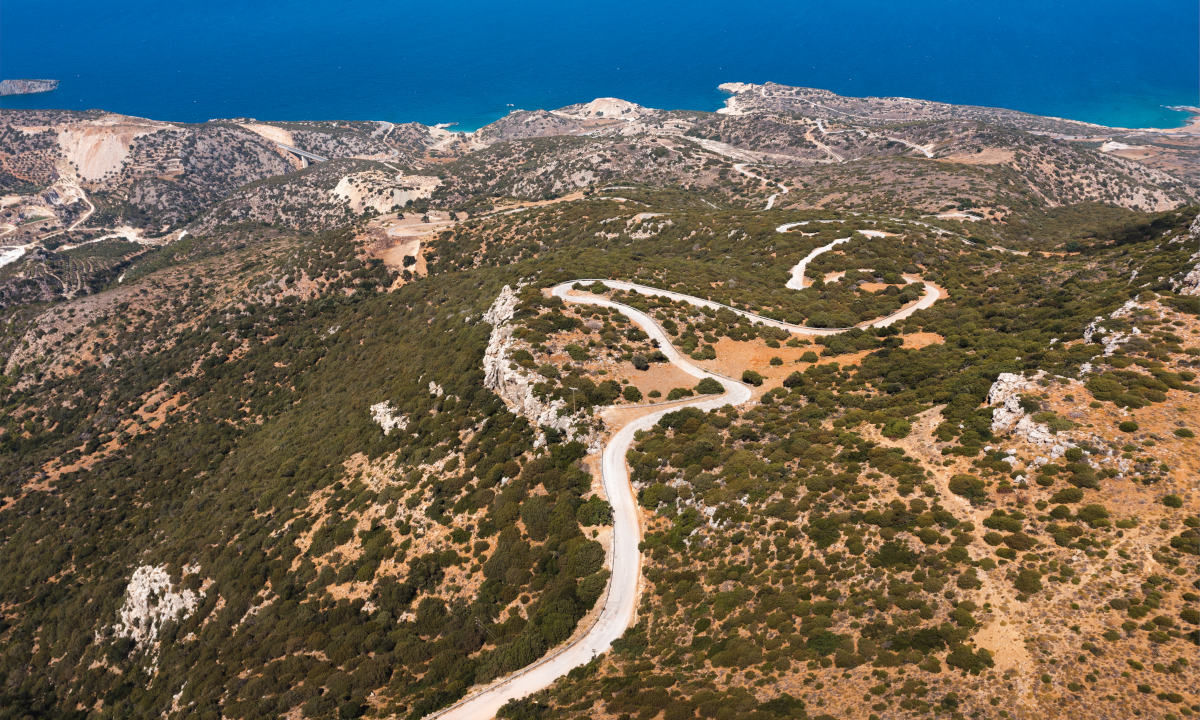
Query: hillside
818, 406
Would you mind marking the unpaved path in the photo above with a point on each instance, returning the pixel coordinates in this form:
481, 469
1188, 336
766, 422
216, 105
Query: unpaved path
12, 253
82, 218
741, 167
1005, 632
834, 156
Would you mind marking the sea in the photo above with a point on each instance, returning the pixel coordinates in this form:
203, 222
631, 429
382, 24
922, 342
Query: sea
469, 62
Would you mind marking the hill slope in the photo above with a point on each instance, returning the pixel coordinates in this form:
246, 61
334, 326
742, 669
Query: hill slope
325, 441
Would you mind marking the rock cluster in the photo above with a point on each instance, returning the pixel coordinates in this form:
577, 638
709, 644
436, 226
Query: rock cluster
1189, 284
388, 417
1112, 341
514, 384
151, 600
1009, 418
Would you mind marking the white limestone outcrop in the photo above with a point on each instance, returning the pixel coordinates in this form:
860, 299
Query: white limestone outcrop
388, 417
1111, 341
151, 600
1189, 284
514, 384
1009, 418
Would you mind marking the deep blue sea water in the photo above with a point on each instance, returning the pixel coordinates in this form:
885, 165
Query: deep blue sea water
470, 62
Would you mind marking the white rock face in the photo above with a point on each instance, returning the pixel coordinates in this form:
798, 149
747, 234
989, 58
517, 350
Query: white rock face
502, 308
388, 417
436, 390
1113, 341
381, 192
1189, 284
605, 107
515, 386
1009, 418
150, 601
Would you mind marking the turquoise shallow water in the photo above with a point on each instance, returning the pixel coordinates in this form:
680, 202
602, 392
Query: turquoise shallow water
470, 62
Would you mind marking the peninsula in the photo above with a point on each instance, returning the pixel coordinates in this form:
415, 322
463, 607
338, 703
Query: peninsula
26, 87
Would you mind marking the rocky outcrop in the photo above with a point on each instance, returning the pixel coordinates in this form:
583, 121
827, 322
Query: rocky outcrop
1189, 284
381, 192
151, 601
607, 108
1009, 418
514, 384
1096, 332
388, 417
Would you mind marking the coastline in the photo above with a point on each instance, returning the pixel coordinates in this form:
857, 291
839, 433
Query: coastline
1189, 114
468, 120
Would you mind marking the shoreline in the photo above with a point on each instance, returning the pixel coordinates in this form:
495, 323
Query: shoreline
1189, 114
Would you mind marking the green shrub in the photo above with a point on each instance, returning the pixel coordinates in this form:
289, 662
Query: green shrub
1067, 495
709, 386
1127, 426
1094, 515
969, 580
594, 511
1060, 512
752, 378
679, 392
1020, 541
895, 554
1028, 581
968, 486
523, 709
973, 662
897, 428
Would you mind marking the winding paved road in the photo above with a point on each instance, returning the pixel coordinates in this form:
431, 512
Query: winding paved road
620, 600
619, 604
